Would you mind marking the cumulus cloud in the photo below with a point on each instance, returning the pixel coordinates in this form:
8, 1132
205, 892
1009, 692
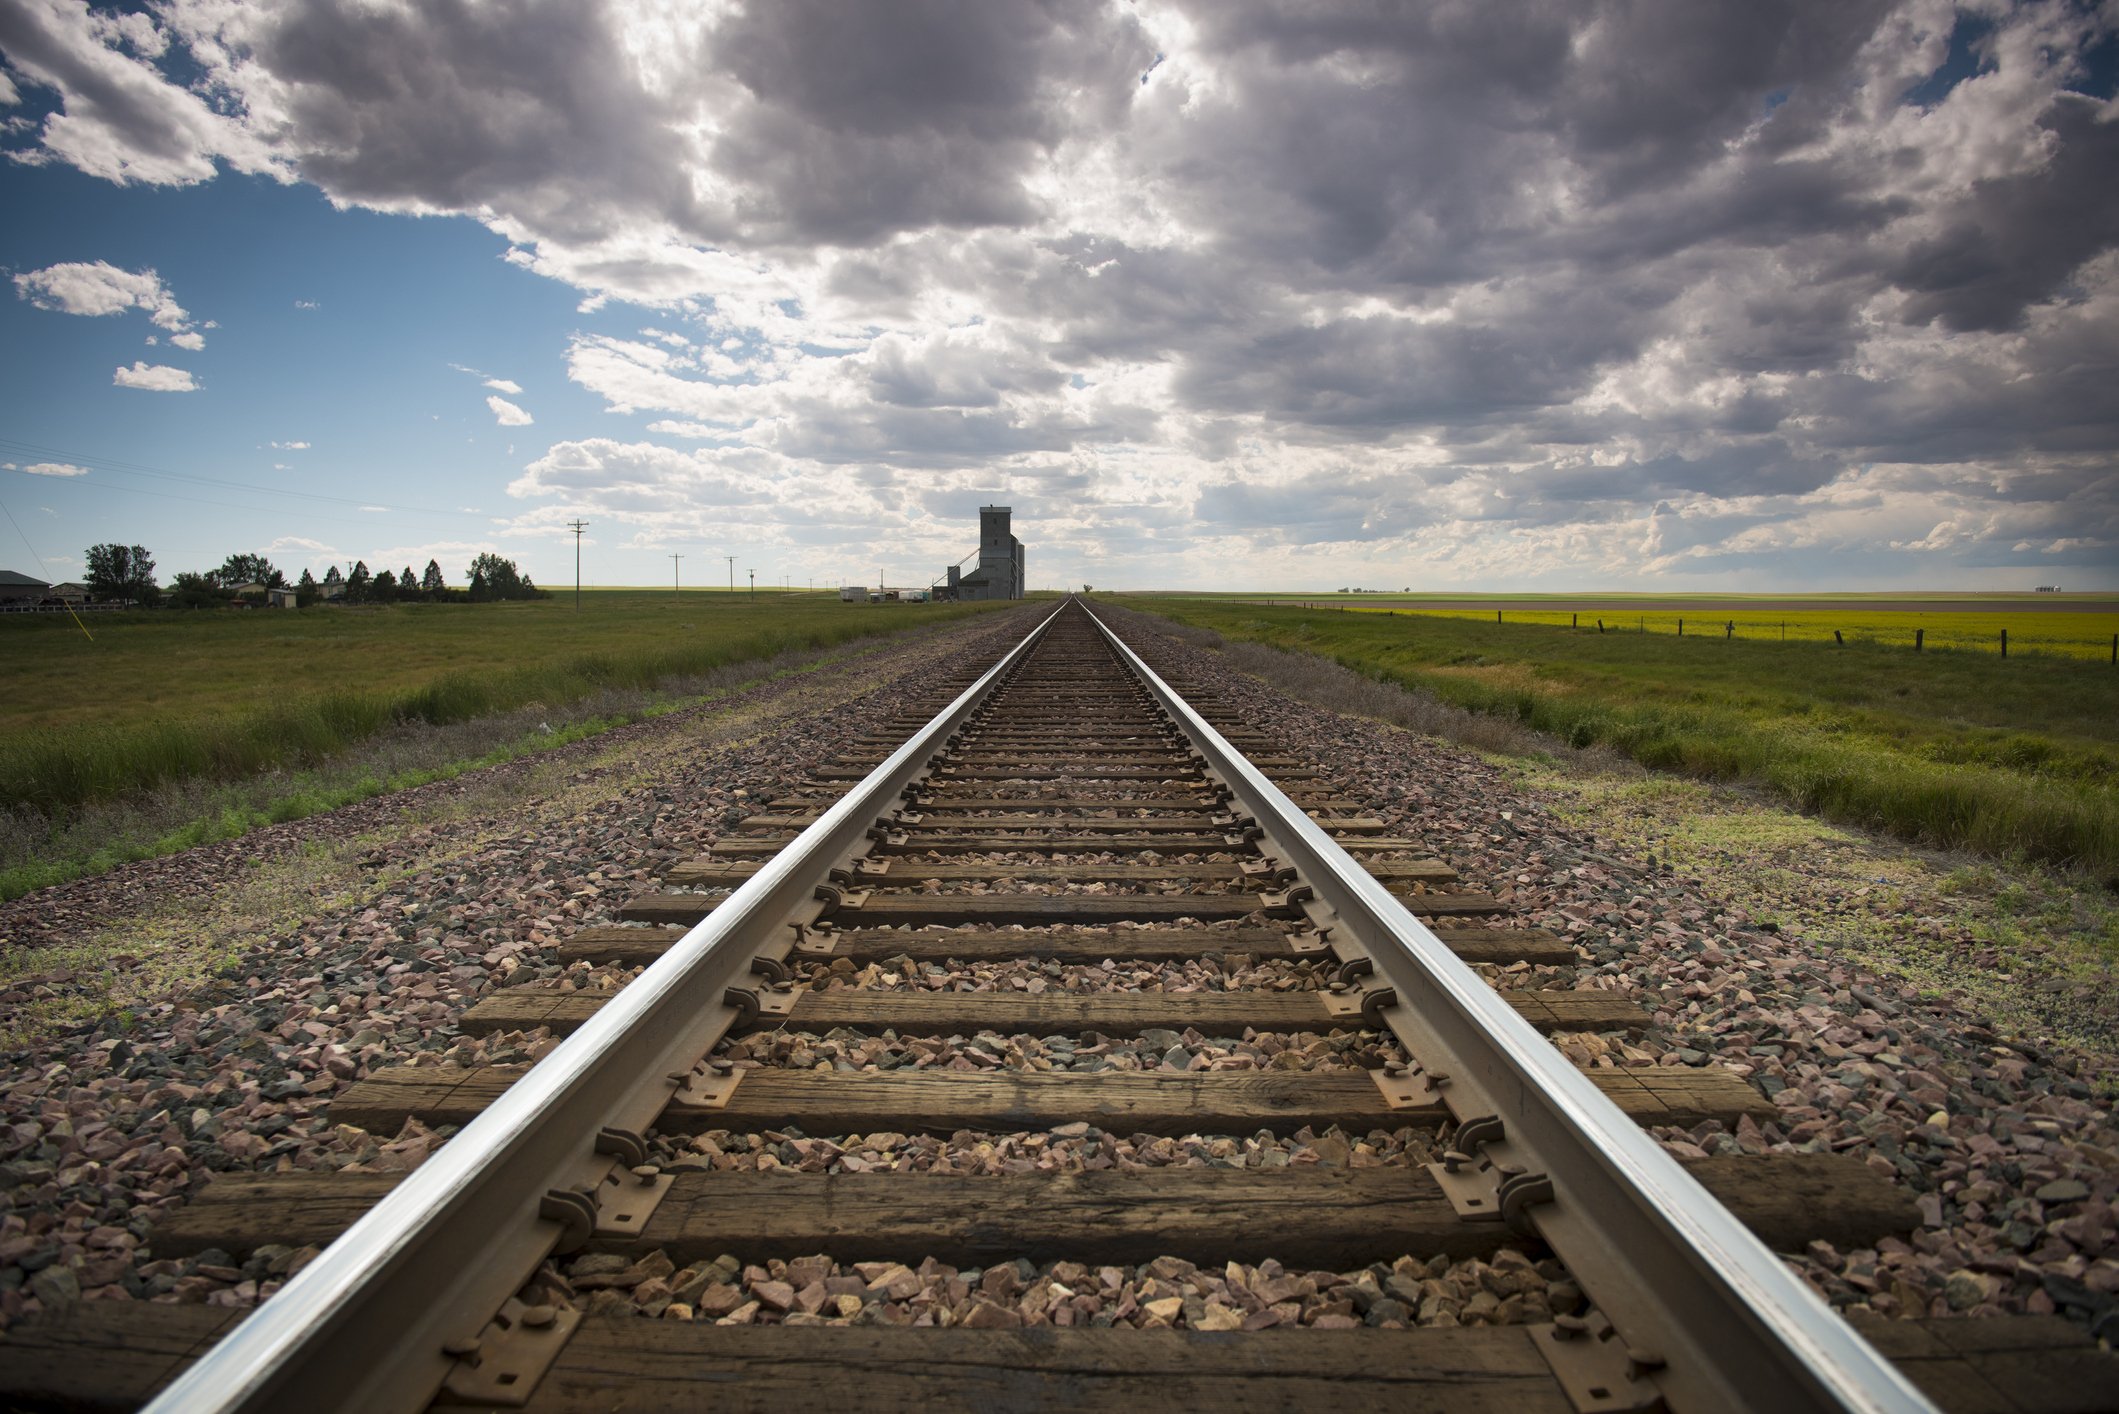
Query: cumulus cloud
506, 413
50, 469
1606, 289
155, 378
290, 446
98, 288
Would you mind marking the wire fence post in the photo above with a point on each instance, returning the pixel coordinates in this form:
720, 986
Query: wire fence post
1919, 635
2004, 643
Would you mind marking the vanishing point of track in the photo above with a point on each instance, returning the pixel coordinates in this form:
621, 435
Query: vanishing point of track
1065, 804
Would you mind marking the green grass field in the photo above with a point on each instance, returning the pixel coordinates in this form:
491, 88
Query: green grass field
1949, 748
167, 696
2081, 634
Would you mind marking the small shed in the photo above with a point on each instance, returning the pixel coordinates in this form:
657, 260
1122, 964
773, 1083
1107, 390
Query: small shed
280, 598
853, 594
68, 593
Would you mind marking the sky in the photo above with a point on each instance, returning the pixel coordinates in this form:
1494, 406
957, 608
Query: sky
1218, 294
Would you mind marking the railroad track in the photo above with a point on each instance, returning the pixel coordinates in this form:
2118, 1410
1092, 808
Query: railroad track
1066, 806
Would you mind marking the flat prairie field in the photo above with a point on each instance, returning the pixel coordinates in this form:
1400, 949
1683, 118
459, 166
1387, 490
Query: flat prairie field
169, 695
2069, 625
1955, 746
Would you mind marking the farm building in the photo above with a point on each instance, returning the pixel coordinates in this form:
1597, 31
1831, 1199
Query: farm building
21, 589
68, 593
1000, 571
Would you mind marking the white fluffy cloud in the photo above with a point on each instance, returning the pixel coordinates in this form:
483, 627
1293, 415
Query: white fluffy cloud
98, 288
51, 469
155, 378
1238, 289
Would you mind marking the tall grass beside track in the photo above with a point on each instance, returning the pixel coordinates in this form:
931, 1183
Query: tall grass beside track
1951, 749
168, 697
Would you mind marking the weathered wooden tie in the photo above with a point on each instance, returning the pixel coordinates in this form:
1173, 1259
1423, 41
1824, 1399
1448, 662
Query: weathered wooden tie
907, 872
1051, 1013
876, 909
1308, 1216
638, 946
1125, 1102
113, 1355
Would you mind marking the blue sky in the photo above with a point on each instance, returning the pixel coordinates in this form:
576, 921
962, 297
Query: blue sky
1219, 296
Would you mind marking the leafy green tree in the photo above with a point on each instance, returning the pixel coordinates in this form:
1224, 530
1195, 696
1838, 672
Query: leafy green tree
407, 584
495, 578
306, 590
122, 572
250, 569
434, 584
359, 582
199, 591
383, 588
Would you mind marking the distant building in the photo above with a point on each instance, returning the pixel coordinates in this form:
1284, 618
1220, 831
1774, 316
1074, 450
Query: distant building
21, 589
1000, 571
281, 598
69, 593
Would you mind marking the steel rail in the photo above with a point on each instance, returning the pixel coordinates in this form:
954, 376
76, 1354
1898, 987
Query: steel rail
1676, 1274
363, 1326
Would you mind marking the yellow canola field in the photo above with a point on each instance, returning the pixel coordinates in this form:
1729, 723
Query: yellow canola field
2072, 635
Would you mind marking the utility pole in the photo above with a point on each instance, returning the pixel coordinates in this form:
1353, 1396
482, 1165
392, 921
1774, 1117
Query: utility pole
754, 586
577, 526
675, 587
731, 572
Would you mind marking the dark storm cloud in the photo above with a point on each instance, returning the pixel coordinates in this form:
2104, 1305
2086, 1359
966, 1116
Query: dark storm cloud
899, 115
527, 108
2014, 241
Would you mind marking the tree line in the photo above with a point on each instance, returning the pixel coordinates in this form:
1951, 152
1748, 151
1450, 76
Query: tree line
127, 573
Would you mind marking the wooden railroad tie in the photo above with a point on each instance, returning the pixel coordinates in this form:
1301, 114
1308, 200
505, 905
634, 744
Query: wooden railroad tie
638, 946
905, 873
939, 1101
1050, 1014
875, 909
119, 1354
1308, 1217
1049, 837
